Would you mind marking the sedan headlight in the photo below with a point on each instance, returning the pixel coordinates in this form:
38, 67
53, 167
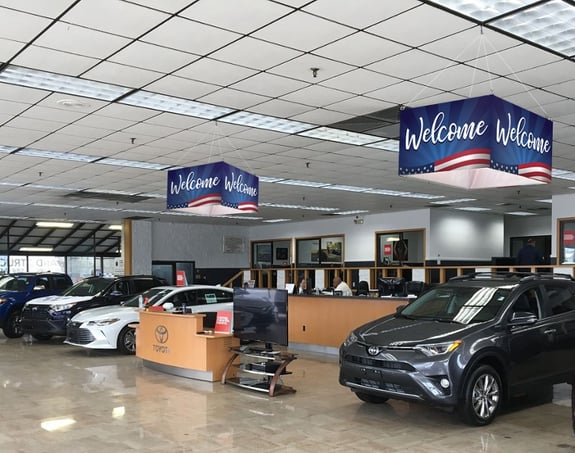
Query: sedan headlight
438, 348
62, 307
103, 322
351, 338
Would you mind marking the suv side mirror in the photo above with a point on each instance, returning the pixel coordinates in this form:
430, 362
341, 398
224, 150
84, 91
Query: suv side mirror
116, 294
522, 318
39, 288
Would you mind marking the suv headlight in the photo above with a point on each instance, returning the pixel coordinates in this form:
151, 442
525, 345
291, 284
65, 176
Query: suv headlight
62, 307
351, 338
103, 322
438, 348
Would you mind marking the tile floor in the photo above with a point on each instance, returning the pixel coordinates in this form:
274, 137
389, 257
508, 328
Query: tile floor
58, 398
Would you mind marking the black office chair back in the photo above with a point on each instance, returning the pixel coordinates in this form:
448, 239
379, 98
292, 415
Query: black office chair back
362, 288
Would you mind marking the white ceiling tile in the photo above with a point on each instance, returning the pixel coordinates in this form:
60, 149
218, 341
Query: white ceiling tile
534, 100
52, 9
149, 130
61, 142
127, 112
358, 13
361, 49
82, 41
150, 56
214, 71
84, 105
469, 44
104, 122
321, 117
11, 136
174, 120
404, 93
513, 60
189, 36
280, 108
54, 61
21, 94
85, 131
18, 26
294, 3
12, 108
242, 16
360, 81
104, 147
441, 24
317, 96
548, 74
184, 88
410, 64
172, 6
226, 97
255, 53
300, 68
269, 85
9, 48
454, 77
499, 86
123, 75
34, 124
66, 115
312, 32
114, 16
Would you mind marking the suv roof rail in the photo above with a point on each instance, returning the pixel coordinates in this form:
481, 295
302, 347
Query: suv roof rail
520, 276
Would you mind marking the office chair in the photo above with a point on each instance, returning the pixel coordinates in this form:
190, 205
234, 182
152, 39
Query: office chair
362, 288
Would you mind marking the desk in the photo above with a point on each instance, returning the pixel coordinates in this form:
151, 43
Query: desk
322, 323
171, 343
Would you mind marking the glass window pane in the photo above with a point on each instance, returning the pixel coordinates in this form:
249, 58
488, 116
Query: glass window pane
46, 264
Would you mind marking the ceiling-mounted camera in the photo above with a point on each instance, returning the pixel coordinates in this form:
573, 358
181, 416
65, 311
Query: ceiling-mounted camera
358, 220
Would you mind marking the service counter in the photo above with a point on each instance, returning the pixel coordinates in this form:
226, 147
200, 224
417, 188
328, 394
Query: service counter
322, 323
175, 344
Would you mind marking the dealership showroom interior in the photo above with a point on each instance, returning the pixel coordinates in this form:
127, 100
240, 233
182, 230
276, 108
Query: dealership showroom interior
287, 225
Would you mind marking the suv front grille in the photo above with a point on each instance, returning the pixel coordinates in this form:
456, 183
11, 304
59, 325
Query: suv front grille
376, 363
37, 312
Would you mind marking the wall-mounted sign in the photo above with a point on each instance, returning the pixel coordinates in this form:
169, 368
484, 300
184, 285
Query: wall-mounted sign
212, 190
475, 143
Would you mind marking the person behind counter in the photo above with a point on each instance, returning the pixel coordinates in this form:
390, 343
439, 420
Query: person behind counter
302, 288
340, 285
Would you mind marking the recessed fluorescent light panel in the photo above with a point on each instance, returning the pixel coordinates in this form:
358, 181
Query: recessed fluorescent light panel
266, 122
548, 200
391, 193
341, 136
296, 206
269, 179
347, 188
54, 224
458, 200
422, 195
56, 155
172, 104
133, 164
563, 174
520, 213
482, 10
35, 249
7, 149
115, 227
473, 209
58, 83
297, 182
357, 211
549, 25
387, 145
275, 220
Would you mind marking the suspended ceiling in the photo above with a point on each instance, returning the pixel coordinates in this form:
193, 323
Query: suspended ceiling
325, 63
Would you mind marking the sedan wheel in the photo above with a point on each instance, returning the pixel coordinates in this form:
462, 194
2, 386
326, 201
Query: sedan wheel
482, 396
127, 340
13, 325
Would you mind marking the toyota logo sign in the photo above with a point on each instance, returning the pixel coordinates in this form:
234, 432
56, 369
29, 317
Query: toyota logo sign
161, 334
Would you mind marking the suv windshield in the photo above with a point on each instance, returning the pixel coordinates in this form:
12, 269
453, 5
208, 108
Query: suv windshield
13, 283
88, 287
149, 297
465, 305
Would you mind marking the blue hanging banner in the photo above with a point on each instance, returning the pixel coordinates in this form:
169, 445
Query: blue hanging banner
476, 143
212, 189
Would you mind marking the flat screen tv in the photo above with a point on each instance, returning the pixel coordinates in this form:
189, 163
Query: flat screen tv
391, 286
260, 315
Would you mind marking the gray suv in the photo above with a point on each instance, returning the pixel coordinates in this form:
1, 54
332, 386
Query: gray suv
470, 344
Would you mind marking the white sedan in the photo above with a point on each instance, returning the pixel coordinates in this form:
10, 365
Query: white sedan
109, 327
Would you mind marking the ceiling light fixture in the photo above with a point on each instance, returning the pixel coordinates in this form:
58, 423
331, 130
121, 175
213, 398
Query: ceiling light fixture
115, 227
54, 224
133, 164
36, 249
31, 152
267, 122
172, 104
59, 83
341, 136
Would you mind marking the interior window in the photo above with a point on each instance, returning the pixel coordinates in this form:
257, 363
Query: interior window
527, 302
559, 300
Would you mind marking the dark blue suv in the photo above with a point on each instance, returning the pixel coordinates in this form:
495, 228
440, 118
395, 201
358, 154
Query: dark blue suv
17, 289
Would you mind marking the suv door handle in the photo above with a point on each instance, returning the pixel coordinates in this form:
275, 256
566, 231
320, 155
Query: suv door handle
549, 331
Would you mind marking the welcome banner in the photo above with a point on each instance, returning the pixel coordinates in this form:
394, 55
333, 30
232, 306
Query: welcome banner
475, 143
212, 189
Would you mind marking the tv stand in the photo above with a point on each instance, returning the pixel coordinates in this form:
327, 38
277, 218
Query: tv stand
258, 369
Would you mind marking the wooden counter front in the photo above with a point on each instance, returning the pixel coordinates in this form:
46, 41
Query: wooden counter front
327, 321
171, 343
